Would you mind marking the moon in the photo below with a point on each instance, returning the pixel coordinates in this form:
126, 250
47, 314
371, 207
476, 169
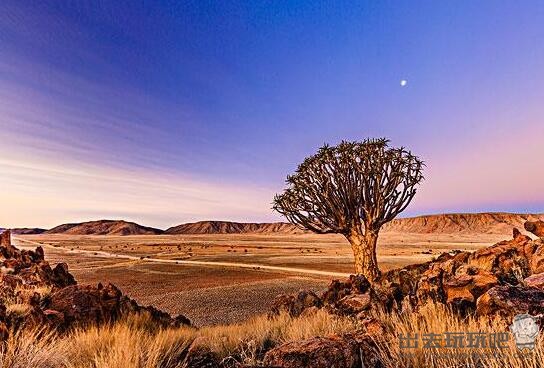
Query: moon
403, 82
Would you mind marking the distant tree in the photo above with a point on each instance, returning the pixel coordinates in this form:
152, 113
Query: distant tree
352, 189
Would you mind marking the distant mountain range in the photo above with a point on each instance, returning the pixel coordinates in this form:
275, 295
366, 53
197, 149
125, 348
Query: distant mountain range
489, 222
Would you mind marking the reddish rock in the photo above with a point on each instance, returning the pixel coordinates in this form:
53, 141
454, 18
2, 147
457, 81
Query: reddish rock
69, 304
61, 276
5, 238
535, 281
535, 227
468, 283
373, 327
508, 301
317, 352
354, 304
356, 284
295, 304
86, 304
535, 249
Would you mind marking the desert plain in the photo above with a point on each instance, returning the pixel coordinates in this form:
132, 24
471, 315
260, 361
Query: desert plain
224, 278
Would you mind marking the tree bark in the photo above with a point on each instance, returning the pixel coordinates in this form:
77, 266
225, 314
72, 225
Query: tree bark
364, 252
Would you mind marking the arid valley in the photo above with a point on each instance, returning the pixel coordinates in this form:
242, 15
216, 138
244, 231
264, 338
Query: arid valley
186, 273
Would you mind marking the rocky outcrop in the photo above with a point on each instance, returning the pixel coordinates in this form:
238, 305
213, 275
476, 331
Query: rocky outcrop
65, 304
80, 305
482, 281
507, 301
535, 227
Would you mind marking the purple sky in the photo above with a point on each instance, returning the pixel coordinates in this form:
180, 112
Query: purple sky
165, 113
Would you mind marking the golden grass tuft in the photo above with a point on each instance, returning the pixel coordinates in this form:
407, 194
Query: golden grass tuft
438, 318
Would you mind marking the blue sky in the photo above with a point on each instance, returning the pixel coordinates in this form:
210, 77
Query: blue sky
168, 112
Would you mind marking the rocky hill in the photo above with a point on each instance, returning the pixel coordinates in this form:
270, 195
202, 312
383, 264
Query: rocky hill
227, 227
468, 223
488, 223
104, 227
27, 231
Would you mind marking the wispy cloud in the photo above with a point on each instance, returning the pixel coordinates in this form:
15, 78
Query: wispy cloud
42, 193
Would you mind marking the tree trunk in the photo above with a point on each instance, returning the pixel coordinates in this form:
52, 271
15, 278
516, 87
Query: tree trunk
364, 251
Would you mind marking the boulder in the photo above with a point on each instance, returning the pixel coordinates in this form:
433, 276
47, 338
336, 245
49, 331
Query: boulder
535, 281
80, 305
5, 238
294, 305
507, 301
354, 304
200, 356
535, 227
468, 283
356, 284
317, 352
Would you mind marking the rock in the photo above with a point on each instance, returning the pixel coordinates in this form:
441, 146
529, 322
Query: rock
535, 227
5, 238
535, 249
295, 304
86, 304
82, 305
369, 353
507, 260
354, 304
359, 284
61, 276
535, 281
336, 291
468, 283
508, 301
200, 356
373, 327
317, 352
356, 284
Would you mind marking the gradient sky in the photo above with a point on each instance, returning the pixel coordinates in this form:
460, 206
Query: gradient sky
167, 112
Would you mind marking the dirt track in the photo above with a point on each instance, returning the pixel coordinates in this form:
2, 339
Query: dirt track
193, 263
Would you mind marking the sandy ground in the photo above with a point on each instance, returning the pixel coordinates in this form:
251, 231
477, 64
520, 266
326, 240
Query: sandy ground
214, 279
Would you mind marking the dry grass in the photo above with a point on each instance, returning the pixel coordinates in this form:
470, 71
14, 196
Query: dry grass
136, 343
439, 319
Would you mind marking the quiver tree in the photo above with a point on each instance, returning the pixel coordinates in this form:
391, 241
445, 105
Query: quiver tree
352, 189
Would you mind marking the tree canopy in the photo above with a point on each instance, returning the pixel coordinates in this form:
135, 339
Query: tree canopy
353, 185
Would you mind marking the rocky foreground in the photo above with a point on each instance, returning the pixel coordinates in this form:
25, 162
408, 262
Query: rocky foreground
33, 294
499, 282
